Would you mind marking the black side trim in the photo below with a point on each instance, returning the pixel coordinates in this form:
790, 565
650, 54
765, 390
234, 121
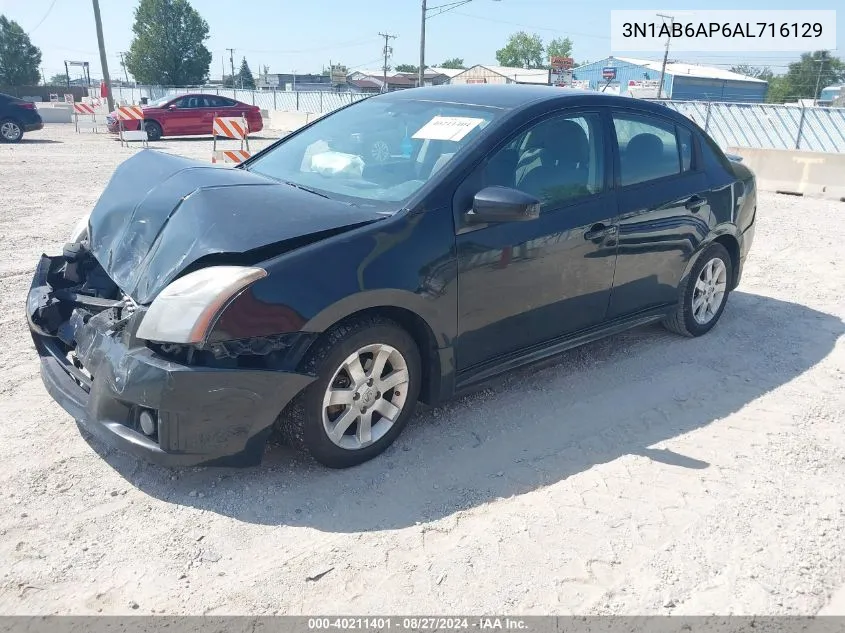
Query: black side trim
487, 370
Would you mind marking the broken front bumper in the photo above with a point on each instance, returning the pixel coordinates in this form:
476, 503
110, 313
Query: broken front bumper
206, 415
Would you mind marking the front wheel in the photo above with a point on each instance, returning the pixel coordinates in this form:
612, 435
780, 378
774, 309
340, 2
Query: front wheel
704, 294
367, 388
10, 131
153, 130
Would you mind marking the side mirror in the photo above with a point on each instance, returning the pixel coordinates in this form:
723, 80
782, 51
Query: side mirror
503, 204
172, 107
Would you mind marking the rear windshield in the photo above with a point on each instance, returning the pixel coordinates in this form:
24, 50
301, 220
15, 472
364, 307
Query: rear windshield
377, 152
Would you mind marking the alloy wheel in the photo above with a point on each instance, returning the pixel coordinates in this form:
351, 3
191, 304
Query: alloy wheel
365, 396
380, 151
709, 291
10, 131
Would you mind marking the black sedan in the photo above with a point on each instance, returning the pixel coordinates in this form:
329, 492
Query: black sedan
16, 117
320, 293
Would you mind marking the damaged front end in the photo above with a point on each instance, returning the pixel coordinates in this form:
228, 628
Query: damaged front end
172, 404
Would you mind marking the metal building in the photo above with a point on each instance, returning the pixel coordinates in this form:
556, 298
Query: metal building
682, 82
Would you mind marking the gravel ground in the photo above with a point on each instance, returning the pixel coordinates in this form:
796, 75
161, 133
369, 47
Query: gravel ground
642, 474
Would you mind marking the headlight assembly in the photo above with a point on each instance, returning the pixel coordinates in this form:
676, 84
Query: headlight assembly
186, 309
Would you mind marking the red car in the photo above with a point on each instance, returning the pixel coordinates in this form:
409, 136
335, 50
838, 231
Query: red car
188, 115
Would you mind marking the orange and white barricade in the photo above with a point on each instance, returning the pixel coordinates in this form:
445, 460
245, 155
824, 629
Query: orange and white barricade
236, 129
131, 113
85, 118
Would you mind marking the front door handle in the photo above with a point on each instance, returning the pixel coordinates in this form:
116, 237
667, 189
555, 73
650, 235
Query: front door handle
695, 203
599, 231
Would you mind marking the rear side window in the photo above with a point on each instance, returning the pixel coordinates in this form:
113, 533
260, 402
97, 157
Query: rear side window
686, 148
648, 148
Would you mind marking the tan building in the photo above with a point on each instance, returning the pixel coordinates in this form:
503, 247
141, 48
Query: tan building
481, 74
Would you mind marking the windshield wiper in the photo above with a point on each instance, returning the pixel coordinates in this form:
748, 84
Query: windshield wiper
304, 188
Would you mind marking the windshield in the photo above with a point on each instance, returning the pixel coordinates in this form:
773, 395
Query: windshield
376, 152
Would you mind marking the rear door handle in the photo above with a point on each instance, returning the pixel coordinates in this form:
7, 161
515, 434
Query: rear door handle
599, 231
695, 203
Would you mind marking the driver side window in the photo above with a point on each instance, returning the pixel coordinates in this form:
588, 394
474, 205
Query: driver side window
556, 160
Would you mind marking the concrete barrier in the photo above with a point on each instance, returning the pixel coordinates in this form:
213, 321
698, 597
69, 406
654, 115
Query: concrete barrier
289, 121
795, 172
55, 112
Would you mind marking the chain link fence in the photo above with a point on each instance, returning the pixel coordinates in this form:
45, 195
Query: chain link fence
764, 126
768, 126
291, 101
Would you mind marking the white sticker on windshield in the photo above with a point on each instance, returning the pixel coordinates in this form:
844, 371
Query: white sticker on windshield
447, 128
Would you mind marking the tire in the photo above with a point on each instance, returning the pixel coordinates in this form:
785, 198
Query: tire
153, 129
10, 131
692, 317
306, 422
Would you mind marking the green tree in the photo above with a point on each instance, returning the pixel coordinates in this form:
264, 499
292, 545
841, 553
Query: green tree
59, 79
559, 47
407, 68
19, 58
245, 78
456, 63
758, 72
522, 51
814, 70
168, 48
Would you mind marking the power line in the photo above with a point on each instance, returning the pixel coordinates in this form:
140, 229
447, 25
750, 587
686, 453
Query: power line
41, 21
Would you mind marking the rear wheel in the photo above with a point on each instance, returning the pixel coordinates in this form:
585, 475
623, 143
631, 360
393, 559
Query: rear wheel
10, 131
153, 130
367, 388
704, 294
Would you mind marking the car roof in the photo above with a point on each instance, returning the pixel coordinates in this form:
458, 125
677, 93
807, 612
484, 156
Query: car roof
518, 96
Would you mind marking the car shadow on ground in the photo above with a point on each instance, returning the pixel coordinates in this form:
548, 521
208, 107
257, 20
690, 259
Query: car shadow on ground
535, 427
38, 141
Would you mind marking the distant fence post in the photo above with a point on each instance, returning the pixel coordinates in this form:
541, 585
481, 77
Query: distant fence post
707, 116
321, 101
297, 100
253, 97
275, 106
800, 127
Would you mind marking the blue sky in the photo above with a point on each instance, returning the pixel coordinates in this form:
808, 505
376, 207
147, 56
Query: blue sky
305, 36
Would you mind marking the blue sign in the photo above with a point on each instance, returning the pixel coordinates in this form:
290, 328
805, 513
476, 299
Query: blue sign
608, 72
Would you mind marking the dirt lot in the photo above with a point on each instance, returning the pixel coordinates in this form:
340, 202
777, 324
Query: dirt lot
641, 474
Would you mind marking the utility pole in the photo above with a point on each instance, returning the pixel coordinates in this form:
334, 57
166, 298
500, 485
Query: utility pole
665, 55
387, 52
103, 61
123, 63
421, 78
820, 62
232, 62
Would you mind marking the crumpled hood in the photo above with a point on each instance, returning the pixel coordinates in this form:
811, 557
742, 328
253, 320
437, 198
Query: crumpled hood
161, 213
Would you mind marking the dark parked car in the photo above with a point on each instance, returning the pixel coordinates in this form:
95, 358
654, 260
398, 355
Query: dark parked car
17, 117
322, 294
188, 115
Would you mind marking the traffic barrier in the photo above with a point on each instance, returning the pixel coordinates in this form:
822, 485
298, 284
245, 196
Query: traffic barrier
232, 128
131, 113
85, 118
230, 156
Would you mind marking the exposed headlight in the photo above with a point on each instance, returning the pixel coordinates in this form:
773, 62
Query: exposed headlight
80, 231
185, 310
